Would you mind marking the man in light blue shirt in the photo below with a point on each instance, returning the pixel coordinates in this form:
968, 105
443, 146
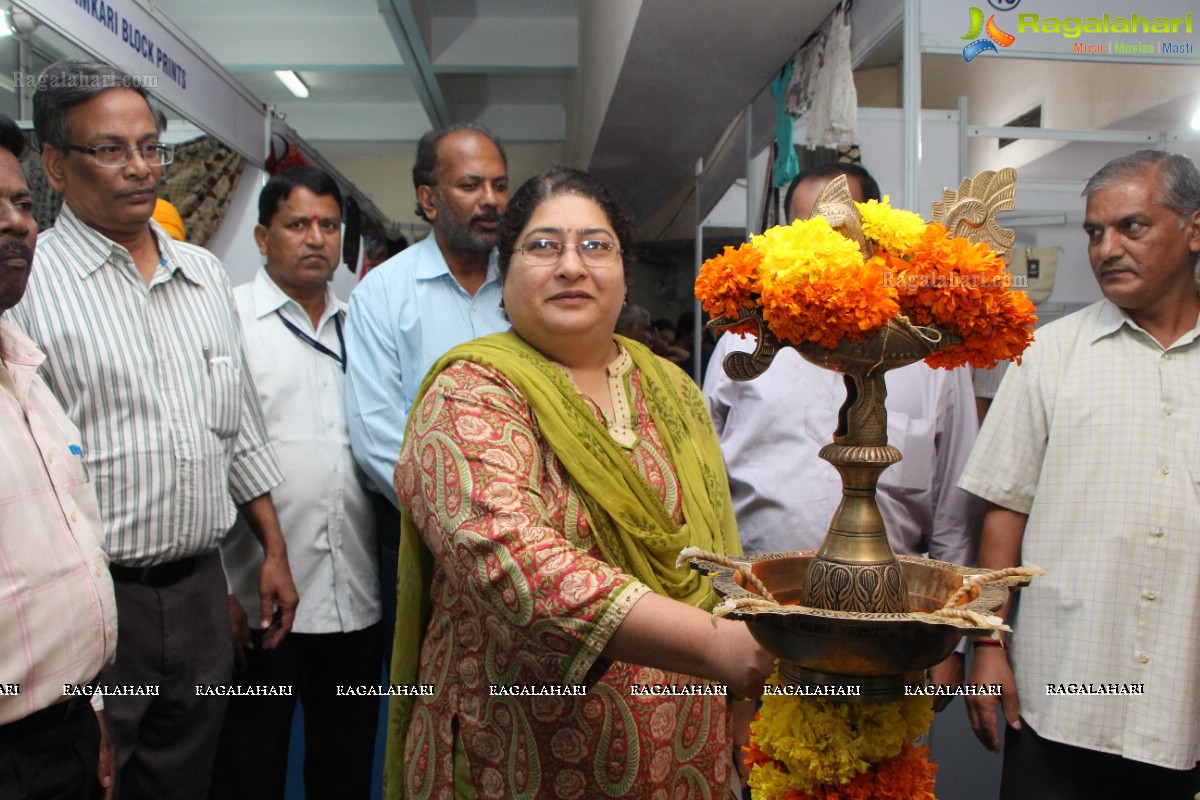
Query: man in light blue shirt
441, 292
411, 309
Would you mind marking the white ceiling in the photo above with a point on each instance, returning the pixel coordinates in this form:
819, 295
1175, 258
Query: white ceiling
637, 91
382, 72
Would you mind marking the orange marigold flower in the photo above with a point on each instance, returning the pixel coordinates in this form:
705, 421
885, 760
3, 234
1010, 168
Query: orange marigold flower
852, 304
963, 288
727, 283
908, 776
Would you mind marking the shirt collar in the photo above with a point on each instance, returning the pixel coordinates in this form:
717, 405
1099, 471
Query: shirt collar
431, 264
92, 249
17, 348
1112, 318
269, 298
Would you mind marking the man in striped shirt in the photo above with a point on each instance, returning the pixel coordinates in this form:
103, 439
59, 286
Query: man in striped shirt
143, 351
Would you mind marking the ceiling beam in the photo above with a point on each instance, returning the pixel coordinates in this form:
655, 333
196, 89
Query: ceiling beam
404, 18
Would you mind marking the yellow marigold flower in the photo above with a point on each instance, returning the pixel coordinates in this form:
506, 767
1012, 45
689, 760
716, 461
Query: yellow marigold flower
806, 248
892, 229
820, 741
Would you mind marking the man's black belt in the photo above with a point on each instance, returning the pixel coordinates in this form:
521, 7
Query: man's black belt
159, 576
47, 719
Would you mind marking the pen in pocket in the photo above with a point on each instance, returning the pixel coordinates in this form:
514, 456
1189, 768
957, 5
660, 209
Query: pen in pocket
207, 359
76, 450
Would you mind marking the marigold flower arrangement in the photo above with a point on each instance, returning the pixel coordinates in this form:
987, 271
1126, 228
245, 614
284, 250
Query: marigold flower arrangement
812, 284
813, 748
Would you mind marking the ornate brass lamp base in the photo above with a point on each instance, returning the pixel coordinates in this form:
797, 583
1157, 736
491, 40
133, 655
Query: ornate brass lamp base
855, 657
856, 569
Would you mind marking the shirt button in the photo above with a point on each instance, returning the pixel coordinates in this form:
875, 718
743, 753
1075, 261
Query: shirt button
1165, 470
1151, 595
1166, 357
49, 458
1167, 411
74, 517
177, 417
185, 476
1143, 658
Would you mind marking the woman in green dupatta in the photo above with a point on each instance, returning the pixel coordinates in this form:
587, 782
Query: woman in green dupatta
550, 476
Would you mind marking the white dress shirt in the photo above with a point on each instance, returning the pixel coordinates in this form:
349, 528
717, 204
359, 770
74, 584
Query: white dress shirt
325, 513
1096, 436
784, 495
404, 315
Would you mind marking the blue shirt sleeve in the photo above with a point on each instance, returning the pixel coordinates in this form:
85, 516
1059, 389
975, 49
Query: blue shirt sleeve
376, 406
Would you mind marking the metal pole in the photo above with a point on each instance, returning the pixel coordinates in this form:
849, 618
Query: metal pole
912, 103
699, 259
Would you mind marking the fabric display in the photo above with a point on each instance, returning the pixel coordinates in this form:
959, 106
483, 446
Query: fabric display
200, 183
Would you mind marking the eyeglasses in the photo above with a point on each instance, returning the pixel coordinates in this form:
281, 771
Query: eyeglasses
156, 154
592, 252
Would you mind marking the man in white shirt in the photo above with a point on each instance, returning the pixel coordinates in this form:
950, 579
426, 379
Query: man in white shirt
1090, 460
293, 341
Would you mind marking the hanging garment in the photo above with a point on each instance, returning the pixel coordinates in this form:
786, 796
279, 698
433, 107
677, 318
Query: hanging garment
786, 165
805, 66
833, 117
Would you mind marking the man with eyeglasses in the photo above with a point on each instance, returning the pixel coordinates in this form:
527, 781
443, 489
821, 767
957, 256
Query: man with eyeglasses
143, 351
439, 293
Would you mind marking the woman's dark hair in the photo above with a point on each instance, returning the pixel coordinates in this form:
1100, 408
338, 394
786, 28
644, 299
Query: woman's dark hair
552, 183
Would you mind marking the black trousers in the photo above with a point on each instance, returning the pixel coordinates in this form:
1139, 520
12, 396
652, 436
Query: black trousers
1039, 769
388, 521
58, 763
174, 638
339, 731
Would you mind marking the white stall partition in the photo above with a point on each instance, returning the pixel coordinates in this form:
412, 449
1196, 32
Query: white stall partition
140, 40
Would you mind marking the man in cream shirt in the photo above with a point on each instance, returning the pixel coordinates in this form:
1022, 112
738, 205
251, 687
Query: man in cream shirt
293, 341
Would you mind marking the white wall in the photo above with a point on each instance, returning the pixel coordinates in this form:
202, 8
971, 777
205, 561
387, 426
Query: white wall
233, 242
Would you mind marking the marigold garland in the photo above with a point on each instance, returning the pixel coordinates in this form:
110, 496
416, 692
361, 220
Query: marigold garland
812, 285
813, 748
908, 776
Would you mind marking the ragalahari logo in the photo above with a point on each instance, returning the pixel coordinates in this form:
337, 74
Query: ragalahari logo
995, 36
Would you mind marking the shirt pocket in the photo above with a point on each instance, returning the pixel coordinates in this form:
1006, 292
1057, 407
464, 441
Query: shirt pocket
223, 403
914, 438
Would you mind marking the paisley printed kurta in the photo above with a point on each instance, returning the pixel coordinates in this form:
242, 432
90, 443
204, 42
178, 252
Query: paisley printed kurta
521, 597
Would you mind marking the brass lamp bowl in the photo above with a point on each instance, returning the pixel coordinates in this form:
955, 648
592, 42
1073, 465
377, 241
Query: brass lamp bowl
873, 657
